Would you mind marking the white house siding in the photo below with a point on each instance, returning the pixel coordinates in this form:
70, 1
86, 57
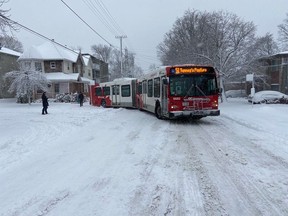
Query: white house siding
67, 67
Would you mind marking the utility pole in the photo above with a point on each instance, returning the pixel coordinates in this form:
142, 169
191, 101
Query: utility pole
121, 54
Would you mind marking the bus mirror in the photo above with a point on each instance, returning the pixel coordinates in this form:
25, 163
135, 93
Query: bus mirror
219, 90
165, 81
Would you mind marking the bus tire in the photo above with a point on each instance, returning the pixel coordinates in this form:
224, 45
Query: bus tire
138, 105
103, 103
158, 111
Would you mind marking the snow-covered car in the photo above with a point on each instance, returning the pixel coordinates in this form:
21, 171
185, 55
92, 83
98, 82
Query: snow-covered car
268, 97
235, 93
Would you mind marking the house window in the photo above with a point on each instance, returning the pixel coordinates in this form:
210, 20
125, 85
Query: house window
27, 65
53, 65
38, 66
56, 88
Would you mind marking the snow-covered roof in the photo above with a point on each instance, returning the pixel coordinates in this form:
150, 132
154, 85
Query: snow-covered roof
282, 53
62, 77
86, 59
10, 52
49, 51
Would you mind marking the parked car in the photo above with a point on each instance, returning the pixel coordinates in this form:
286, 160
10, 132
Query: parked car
268, 97
235, 93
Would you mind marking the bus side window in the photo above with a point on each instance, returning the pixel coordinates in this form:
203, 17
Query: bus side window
144, 87
115, 90
98, 91
106, 90
150, 88
125, 91
140, 88
157, 87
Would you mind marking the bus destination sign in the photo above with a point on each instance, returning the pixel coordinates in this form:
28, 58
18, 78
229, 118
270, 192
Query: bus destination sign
184, 70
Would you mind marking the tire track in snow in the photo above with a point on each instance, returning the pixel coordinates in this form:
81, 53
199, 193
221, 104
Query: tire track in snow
169, 186
260, 200
40, 206
212, 203
151, 197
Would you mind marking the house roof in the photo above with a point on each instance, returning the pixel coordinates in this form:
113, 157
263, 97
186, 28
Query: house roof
282, 53
74, 77
86, 59
49, 51
9, 52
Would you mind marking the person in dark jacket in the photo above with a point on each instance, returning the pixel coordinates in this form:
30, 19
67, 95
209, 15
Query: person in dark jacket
44, 103
81, 98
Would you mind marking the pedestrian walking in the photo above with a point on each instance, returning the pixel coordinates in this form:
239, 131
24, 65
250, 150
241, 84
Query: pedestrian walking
44, 103
81, 98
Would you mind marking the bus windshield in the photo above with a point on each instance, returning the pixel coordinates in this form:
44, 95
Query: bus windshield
193, 85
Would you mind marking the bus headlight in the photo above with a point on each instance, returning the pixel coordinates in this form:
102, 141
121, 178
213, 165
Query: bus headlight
174, 107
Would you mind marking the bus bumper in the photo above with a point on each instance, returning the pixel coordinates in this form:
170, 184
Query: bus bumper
198, 113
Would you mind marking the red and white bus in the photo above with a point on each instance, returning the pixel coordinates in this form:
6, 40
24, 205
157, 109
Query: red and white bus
170, 92
117, 93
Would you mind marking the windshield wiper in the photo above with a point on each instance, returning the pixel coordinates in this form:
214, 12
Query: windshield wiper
189, 91
201, 91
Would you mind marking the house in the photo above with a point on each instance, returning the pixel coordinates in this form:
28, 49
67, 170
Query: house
273, 75
276, 70
8, 62
66, 70
99, 68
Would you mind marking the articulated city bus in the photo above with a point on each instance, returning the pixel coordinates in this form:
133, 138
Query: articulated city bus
169, 92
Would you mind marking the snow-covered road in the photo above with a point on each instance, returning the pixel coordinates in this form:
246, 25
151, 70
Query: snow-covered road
94, 161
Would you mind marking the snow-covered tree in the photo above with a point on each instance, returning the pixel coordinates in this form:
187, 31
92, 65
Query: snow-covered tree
4, 20
11, 43
102, 52
25, 82
283, 32
220, 39
112, 56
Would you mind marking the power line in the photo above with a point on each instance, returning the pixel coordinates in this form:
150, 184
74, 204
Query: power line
110, 17
36, 33
98, 14
86, 23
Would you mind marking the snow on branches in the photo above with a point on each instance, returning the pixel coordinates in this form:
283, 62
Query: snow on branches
26, 81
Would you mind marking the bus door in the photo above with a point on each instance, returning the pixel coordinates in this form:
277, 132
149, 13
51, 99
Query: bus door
116, 95
133, 92
144, 93
164, 96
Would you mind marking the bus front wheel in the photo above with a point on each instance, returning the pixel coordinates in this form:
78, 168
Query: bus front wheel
103, 103
158, 111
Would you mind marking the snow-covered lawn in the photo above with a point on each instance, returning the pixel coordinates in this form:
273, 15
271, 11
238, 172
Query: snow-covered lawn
82, 161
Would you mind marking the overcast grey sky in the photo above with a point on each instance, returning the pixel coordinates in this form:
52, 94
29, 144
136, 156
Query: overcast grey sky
144, 22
